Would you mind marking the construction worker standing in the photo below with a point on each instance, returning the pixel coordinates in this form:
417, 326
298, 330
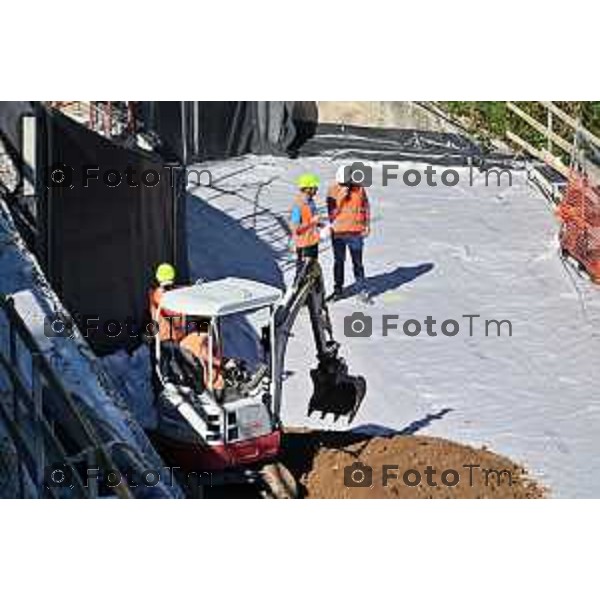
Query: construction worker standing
305, 221
349, 215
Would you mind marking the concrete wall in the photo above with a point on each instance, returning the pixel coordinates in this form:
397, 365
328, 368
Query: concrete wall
401, 115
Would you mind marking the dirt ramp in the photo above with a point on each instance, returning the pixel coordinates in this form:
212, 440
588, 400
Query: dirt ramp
346, 465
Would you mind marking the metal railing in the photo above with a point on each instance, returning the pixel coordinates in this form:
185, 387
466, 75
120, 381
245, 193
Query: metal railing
43, 420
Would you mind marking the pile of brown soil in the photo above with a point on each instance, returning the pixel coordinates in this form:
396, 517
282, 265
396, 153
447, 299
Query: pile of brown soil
345, 465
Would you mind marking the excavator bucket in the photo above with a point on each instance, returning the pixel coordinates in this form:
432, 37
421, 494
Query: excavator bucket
336, 392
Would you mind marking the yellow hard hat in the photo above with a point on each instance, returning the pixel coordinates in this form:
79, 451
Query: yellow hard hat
308, 180
165, 273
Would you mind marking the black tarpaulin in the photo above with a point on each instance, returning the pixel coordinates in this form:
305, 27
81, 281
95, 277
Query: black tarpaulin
197, 131
102, 244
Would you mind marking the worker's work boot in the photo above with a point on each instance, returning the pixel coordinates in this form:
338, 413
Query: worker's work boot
337, 294
364, 296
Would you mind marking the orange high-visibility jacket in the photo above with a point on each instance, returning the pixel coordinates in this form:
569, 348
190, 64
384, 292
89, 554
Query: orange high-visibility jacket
349, 210
197, 344
306, 234
170, 326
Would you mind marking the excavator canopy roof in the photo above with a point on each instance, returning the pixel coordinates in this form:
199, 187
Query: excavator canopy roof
221, 297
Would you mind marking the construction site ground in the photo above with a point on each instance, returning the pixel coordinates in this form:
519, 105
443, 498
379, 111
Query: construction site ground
445, 252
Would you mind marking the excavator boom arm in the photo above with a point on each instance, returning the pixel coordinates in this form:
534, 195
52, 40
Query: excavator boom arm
335, 391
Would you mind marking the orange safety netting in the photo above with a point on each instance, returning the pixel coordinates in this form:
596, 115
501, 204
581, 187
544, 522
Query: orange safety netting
579, 212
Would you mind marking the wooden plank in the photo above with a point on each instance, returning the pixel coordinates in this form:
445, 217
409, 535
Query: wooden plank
543, 129
544, 155
572, 122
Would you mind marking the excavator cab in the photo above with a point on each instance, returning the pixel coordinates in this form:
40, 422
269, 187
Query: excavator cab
211, 317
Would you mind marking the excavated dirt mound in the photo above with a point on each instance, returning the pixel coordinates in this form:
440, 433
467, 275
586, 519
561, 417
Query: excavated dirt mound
346, 465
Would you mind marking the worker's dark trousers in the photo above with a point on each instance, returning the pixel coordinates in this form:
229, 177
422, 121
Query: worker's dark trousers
303, 253
355, 244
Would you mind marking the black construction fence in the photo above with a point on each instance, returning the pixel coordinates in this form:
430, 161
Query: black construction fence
101, 242
97, 242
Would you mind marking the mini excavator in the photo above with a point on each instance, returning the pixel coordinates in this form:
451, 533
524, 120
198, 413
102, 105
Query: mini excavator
217, 414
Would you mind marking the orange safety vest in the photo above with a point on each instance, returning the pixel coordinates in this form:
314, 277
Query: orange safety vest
197, 344
170, 326
305, 234
351, 211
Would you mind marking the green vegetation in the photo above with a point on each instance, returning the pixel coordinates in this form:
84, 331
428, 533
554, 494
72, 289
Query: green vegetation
490, 120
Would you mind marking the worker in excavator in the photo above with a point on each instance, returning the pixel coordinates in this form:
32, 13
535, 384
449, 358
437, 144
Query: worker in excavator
198, 342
